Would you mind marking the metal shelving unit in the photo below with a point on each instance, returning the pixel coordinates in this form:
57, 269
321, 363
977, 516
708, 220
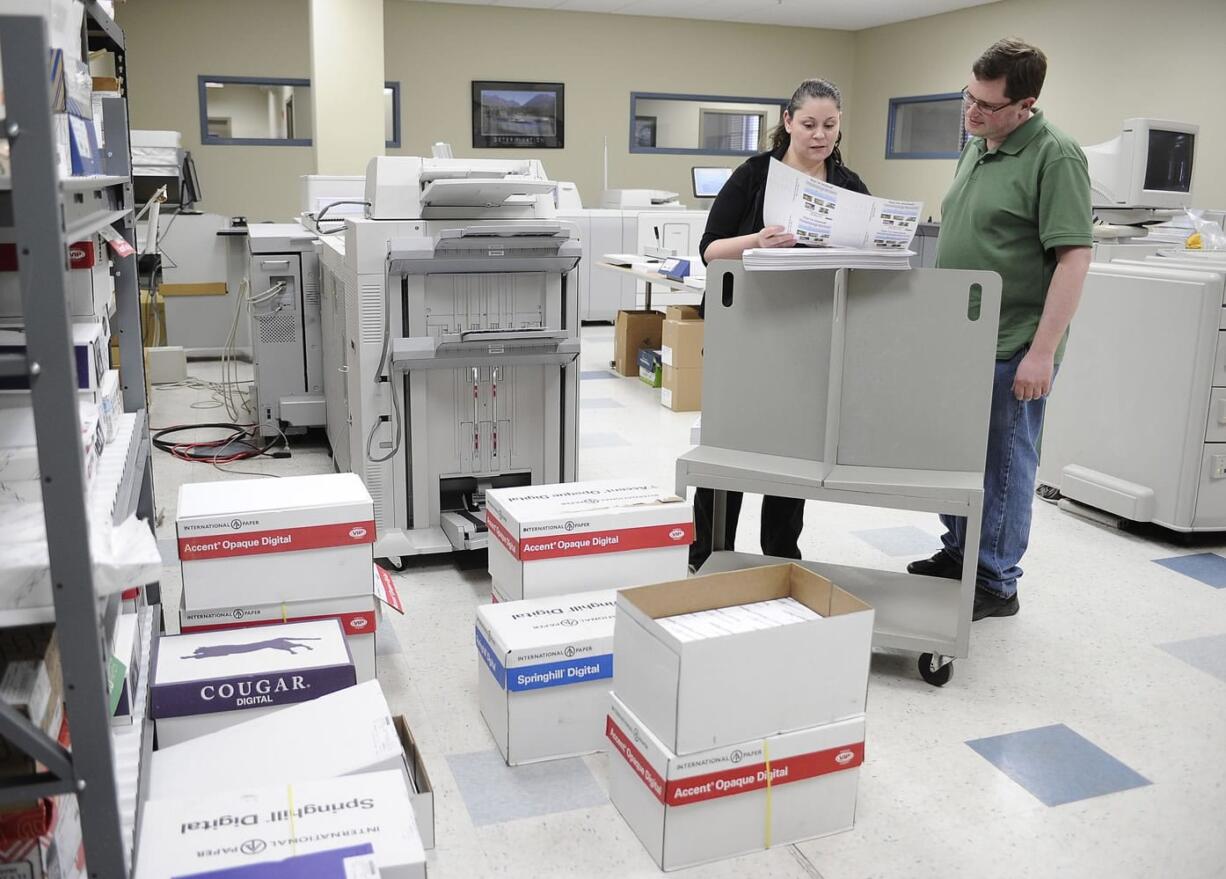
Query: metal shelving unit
104, 768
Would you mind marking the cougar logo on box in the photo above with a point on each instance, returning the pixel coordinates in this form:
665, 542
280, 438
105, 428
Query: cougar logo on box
289, 645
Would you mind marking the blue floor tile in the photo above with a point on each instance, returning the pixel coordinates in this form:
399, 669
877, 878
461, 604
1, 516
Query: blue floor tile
906, 540
1208, 567
597, 375
1057, 765
601, 440
1208, 654
600, 403
494, 792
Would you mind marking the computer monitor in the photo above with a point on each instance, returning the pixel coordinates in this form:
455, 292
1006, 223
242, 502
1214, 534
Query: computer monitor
709, 181
191, 185
1148, 166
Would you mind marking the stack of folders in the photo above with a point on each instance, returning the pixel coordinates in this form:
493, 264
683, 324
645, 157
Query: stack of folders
736, 619
782, 259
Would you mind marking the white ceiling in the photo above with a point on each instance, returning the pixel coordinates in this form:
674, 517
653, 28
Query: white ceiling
834, 14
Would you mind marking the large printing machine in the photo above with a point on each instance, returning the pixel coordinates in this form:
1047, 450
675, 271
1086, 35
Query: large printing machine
450, 344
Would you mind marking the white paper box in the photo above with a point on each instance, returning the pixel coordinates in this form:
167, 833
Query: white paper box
343, 733
421, 791
197, 834
717, 803
124, 666
110, 403
261, 541
359, 616
584, 536
19, 473
715, 691
545, 675
90, 355
209, 681
90, 286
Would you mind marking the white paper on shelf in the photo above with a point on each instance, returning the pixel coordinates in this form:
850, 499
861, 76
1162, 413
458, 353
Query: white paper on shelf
820, 214
781, 259
123, 555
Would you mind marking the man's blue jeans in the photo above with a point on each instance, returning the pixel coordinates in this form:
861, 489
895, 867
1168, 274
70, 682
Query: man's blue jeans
1008, 485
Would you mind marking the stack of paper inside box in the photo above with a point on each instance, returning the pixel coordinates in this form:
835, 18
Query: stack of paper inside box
737, 718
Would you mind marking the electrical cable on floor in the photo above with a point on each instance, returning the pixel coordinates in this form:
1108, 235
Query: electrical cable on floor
240, 444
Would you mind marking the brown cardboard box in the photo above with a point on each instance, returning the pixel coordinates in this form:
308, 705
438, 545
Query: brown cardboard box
681, 344
682, 312
681, 389
634, 330
106, 84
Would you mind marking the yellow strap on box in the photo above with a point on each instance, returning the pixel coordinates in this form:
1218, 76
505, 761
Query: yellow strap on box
293, 834
766, 756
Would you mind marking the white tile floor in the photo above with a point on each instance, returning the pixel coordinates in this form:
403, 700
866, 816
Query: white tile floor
1093, 649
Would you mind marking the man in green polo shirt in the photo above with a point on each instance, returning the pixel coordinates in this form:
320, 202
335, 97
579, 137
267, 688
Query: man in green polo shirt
1019, 205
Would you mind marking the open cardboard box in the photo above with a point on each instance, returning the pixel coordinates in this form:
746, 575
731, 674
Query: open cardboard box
421, 792
702, 694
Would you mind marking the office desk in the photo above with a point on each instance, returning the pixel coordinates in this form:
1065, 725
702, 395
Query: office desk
649, 277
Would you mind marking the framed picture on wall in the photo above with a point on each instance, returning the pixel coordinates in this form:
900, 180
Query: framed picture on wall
645, 131
518, 114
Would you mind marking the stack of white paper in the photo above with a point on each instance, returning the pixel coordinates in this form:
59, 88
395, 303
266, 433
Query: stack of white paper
737, 619
840, 228
777, 259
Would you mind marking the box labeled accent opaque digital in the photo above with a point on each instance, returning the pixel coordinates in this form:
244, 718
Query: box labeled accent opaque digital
261, 541
360, 616
701, 694
583, 536
545, 673
735, 799
208, 681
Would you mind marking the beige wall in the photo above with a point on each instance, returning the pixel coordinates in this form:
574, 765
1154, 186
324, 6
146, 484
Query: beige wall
1106, 62
170, 42
347, 84
601, 59
1094, 80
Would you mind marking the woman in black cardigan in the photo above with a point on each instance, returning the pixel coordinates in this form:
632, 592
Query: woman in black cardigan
807, 139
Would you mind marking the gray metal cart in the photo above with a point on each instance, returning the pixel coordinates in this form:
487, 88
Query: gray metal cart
862, 387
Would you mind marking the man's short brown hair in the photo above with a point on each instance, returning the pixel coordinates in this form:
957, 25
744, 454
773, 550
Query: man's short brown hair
1023, 66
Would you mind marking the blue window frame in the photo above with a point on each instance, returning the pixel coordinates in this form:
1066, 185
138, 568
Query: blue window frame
925, 127
209, 137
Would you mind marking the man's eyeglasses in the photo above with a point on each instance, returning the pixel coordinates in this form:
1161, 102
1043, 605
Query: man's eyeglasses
968, 100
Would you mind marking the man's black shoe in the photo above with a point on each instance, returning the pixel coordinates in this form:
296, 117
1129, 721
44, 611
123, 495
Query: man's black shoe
940, 565
989, 604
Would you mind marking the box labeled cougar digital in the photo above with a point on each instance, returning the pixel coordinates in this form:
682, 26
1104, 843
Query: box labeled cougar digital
208, 681
583, 536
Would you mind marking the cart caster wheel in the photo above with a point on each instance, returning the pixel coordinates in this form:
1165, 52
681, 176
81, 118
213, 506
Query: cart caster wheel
395, 563
933, 672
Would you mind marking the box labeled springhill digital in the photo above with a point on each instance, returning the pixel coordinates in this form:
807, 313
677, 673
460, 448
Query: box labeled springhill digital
545, 673
338, 863
735, 799
208, 681
731, 687
342, 733
90, 359
190, 833
359, 616
262, 541
582, 536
